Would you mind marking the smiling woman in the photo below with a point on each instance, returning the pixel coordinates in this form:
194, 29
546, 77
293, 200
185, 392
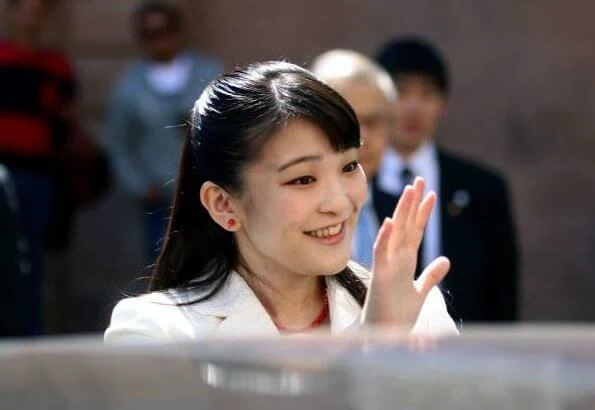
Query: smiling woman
268, 193
299, 206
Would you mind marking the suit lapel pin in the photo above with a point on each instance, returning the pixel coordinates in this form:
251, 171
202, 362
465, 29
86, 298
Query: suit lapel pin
460, 200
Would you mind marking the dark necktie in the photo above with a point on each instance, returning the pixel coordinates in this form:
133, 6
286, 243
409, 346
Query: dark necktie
407, 178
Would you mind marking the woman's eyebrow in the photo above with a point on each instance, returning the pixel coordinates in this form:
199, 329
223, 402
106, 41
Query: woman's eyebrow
299, 160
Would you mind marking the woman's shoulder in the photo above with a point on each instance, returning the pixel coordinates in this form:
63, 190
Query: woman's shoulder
157, 316
154, 302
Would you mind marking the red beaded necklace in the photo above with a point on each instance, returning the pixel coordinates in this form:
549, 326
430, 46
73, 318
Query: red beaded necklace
320, 319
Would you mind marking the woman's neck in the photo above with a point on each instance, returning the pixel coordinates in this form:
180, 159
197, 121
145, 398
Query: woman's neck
292, 300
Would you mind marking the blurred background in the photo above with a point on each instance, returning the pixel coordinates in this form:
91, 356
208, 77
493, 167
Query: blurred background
522, 100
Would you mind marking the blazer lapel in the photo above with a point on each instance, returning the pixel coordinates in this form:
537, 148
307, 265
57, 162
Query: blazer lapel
343, 308
250, 321
447, 186
458, 240
241, 312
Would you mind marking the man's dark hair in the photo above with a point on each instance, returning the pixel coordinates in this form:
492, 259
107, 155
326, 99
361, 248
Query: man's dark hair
415, 55
171, 11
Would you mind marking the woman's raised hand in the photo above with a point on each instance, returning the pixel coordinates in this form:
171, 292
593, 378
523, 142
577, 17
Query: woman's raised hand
395, 298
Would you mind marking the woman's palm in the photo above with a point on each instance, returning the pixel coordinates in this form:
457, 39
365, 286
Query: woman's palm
394, 297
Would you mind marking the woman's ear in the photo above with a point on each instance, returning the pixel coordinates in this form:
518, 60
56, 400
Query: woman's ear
220, 206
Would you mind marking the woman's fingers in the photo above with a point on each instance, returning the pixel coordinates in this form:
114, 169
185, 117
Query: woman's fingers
421, 219
432, 276
400, 217
411, 216
394, 261
382, 240
425, 210
418, 193
403, 208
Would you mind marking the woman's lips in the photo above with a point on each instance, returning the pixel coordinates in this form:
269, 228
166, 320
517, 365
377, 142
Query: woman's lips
331, 235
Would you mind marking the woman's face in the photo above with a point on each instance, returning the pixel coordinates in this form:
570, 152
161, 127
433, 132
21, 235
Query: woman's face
300, 203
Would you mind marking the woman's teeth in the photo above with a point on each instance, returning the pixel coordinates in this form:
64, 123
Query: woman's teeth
330, 231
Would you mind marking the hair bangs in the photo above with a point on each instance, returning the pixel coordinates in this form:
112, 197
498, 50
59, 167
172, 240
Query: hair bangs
307, 98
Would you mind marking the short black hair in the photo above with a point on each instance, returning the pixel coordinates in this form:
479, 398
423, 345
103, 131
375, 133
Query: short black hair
171, 11
415, 55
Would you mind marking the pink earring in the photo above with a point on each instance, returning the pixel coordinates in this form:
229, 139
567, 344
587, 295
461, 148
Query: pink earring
231, 223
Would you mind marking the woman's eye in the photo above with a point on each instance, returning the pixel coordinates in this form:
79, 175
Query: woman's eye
302, 181
352, 166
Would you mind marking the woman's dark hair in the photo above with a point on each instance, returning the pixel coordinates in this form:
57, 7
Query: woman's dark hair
231, 121
415, 55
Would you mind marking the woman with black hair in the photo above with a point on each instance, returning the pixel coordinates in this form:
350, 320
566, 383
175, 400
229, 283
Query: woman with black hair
258, 243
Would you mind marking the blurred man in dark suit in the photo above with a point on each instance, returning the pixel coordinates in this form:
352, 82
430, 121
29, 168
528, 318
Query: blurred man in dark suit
472, 223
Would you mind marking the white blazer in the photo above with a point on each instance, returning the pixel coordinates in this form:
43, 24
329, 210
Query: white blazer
236, 311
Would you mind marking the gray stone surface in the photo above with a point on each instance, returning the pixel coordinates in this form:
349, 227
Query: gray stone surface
524, 368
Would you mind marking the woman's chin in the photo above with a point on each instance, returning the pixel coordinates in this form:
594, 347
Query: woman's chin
334, 267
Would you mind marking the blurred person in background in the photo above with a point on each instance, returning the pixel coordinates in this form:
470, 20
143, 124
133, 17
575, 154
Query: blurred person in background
259, 240
150, 103
14, 264
472, 223
36, 103
370, 92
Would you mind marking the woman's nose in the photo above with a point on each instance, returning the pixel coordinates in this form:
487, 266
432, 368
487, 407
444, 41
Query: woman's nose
336, 199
